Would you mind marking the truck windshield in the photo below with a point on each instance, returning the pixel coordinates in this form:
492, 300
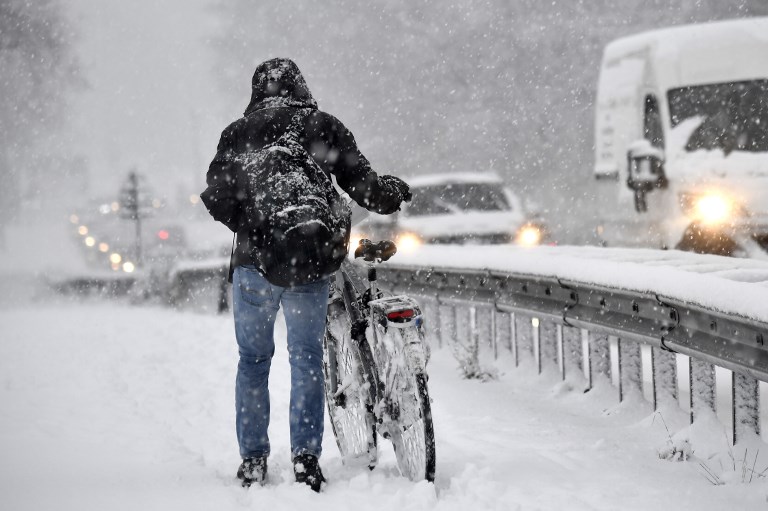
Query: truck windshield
457, 198
734, 115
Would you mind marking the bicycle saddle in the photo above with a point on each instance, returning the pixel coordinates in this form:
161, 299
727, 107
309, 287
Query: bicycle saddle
370, 251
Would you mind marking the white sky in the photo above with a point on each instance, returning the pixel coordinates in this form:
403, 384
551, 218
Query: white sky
152, 99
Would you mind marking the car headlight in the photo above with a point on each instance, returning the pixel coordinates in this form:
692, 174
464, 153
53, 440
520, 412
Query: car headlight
528, 236
408, 242
710, 208
713, 208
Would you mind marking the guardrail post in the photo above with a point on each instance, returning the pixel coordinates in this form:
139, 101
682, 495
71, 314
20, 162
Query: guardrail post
664, 374
430, 309
702, 384
586, 365
560, 352
447, 315
484, 329
572, 349
746, 408
473, 333
599, 355
502, 322
524, 336
536, 330
548, 342
630, 367
513, 345
465, 348
494, 333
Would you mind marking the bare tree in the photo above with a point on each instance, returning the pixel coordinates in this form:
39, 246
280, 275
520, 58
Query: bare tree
38, 70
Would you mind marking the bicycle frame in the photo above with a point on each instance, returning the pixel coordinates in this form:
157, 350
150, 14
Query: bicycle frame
353, 304
378, 382
400, 312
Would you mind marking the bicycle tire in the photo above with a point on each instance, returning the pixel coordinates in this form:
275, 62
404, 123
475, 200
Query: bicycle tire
351, 417
414, 443
412, 432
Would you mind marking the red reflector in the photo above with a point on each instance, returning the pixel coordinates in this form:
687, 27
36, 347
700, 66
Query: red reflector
163, 235
403, 314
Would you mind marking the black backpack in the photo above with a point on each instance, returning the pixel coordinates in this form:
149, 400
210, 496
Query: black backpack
298, 221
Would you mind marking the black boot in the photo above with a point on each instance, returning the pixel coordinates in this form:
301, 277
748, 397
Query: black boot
253, 470
307, 471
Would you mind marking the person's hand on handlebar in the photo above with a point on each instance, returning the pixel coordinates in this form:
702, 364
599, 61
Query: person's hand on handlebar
379, 251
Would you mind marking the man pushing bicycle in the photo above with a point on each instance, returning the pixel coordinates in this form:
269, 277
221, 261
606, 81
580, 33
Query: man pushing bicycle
270, 184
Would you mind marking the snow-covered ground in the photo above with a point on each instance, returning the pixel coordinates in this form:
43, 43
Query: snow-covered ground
104, 406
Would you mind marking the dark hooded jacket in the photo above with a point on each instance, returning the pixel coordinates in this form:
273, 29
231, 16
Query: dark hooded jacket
278, 91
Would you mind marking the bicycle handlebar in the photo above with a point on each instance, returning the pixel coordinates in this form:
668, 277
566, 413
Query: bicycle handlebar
379, 251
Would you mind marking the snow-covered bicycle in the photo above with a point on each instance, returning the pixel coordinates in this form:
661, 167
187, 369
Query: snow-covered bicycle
375, 369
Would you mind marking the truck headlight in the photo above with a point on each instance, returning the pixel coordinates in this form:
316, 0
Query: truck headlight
713, 208
528, 236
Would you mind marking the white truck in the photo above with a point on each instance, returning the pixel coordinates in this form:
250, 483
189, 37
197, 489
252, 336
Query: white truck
681, 139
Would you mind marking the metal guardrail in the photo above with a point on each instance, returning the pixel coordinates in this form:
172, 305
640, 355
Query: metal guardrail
572, 324
200, 287
568, 324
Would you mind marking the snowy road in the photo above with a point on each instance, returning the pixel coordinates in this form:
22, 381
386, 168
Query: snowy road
109, 407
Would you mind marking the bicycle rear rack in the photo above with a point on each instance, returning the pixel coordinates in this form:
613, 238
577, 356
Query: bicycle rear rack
397, 311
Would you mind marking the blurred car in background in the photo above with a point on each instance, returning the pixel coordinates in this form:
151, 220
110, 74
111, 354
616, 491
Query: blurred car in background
456, 208
109, 239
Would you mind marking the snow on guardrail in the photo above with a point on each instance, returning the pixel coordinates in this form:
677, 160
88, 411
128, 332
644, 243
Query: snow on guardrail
732, 286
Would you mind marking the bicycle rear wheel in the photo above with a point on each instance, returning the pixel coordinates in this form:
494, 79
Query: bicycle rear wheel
410, 426
347, 397
414, 438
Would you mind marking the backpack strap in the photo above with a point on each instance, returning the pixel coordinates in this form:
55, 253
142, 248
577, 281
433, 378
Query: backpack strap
295, 127
231, 271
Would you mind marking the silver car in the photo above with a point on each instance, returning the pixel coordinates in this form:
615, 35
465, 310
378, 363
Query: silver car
457, 208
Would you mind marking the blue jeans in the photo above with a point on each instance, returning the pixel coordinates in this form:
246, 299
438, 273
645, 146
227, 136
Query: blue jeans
256, 303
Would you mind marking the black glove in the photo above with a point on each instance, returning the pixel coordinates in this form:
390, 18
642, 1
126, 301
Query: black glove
400, 187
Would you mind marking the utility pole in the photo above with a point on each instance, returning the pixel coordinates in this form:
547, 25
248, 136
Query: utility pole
130, 208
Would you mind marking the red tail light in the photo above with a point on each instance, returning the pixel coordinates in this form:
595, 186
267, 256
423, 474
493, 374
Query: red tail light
163, 235
403, 314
